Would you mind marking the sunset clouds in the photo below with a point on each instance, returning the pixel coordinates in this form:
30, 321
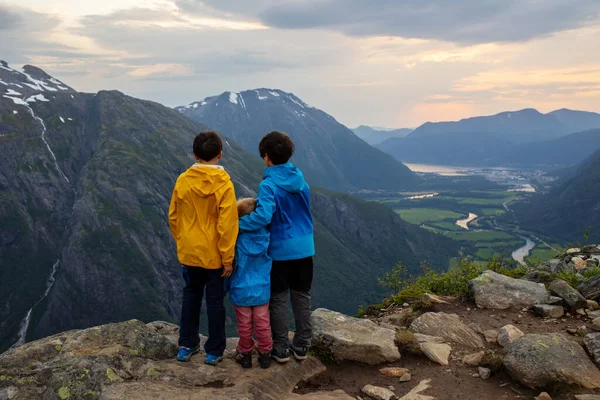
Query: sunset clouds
398, 64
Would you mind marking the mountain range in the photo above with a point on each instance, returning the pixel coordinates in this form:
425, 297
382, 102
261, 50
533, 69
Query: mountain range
374, 136
329, 154
85, 184
521, 138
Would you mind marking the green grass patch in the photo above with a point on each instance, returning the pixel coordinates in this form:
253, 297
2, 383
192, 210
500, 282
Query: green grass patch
479, 236
419, 215
491, 211
485, 253
447, 226
543, 254
455, 282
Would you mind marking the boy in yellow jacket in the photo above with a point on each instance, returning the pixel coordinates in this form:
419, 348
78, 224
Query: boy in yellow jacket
204, 222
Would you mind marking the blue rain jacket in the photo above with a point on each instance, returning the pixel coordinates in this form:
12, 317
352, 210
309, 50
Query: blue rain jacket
250, 283
283, 205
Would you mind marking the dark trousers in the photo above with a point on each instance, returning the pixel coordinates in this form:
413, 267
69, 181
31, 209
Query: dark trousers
196, 280
295, 277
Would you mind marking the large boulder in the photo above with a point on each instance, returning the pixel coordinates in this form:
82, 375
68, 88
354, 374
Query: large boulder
592, 343
134, 361
541, 360
447, 326
496, 291
572, 299
348, 338
590, 289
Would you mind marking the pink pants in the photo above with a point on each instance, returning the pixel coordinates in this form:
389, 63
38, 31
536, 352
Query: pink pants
257, 317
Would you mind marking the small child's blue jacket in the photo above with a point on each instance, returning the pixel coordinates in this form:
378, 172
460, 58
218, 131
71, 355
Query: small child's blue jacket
250, 283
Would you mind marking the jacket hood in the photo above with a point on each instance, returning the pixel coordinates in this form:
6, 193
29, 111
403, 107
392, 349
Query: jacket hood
205, 179
287, 177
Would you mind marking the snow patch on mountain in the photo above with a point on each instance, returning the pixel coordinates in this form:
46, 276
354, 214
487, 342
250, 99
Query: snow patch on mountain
36, 97
233, 98
11, 92
16, 100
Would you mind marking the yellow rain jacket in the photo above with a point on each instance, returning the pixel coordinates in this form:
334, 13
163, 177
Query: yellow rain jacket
203, 217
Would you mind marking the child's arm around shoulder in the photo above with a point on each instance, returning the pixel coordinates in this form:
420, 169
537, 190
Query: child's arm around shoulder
265, 208
227, 224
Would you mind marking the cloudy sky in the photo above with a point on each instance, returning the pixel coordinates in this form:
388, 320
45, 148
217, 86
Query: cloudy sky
392, 63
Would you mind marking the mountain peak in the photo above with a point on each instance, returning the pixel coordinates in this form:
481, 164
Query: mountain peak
29, 81
329, 150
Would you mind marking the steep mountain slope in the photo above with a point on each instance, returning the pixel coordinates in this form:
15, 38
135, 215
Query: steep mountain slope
375, 136
329, 154
569, 208
85, 184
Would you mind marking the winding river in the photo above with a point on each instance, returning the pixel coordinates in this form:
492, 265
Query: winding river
522, 252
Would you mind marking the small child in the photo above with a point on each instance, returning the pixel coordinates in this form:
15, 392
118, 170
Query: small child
250, 290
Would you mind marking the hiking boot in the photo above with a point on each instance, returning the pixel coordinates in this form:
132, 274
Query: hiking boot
212, 359
185, 353
280, 355
264, 359
244, 359
299, 352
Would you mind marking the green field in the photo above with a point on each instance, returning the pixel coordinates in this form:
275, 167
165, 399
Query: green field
447, 226
419, 215
479, 236
492, 211
542, 254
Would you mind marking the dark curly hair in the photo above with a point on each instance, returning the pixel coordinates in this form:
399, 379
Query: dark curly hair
278, 146
207, 145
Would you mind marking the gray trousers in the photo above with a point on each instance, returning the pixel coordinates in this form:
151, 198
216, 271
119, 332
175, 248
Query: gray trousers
293, 277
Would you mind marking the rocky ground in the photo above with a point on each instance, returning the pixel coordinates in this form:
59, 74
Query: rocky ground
515, 340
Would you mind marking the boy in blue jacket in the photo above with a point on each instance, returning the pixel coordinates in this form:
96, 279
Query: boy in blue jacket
283, 205
250, 290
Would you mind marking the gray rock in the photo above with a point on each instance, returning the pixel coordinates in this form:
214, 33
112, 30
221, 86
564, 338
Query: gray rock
571, 297
447, 326
573, 250
354, 339
131, 360
548, 311
579, 263
484, 373
378, 393
406, 377
491, 335
587, 397
428, 338
436, 352
596, 324
592, 344
473, 360
508, 334
538, 276
415, 393
590, 289
496, 291
541, 360
335, 395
